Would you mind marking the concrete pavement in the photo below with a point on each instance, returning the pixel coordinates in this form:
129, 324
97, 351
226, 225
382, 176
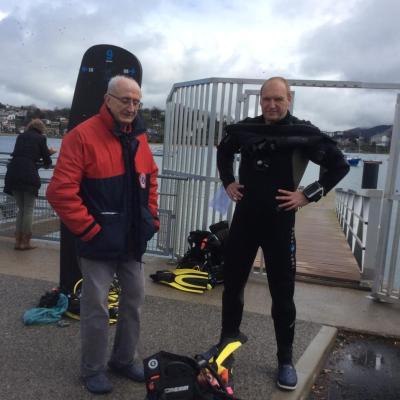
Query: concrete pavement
41, 362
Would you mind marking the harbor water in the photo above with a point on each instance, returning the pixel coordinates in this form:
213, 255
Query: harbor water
351, 181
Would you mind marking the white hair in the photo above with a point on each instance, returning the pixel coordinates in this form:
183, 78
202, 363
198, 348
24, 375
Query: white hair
115, 80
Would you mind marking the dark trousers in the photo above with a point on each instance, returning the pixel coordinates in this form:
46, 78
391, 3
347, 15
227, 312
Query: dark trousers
273, 231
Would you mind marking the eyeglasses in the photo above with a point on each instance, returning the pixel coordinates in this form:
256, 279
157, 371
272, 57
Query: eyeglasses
126, 101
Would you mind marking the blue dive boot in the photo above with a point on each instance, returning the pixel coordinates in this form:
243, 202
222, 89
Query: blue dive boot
97, 384
287, 376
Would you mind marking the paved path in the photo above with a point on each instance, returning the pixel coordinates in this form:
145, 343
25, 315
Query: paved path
41, 362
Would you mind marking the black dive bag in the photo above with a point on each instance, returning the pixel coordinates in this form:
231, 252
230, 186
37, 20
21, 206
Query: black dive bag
206, 251
174, 377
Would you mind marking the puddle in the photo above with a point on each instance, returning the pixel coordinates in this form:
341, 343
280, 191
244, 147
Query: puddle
360, 367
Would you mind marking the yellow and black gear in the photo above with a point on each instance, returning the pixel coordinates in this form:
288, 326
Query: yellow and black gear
73, 310
186, 279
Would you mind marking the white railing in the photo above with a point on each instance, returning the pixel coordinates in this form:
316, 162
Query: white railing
196, 113
371, 222
387, 282
358, 214
46, 224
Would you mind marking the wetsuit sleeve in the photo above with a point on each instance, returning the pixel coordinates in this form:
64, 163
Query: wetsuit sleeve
63, 190
225, 156
331, 159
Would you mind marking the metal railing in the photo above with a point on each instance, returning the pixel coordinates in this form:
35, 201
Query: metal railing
387, 283
196, 114
358, 215
45, 221
46, 224
361, 217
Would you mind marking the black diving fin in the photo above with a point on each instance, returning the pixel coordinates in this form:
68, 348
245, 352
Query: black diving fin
185, 279
219, 354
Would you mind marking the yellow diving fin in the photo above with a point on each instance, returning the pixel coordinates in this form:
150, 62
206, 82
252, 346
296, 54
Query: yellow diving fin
185, 279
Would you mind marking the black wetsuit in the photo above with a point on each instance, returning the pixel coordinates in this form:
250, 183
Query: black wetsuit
257, 221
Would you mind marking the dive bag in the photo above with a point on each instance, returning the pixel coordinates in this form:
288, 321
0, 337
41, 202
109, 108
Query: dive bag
207, 376
205, 251
201, 267
174, 377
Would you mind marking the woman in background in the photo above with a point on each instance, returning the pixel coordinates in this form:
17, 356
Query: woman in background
22, 178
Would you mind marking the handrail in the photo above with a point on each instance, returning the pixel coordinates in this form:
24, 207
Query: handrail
358, 214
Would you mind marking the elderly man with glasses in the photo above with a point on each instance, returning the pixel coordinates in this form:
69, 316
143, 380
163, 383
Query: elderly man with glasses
104, 188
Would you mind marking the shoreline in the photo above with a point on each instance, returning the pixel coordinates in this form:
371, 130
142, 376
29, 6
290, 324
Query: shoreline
2, 134
348, 151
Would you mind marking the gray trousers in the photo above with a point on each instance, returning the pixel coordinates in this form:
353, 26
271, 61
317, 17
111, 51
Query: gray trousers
25, 203
94, 315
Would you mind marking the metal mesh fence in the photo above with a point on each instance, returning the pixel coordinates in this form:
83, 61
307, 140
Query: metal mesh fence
46, 224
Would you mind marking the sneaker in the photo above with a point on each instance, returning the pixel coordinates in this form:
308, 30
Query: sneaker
287, 376
97, 384
130, 371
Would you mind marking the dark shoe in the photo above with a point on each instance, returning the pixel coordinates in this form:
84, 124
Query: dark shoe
26, 242
130, 371
98, 383
18, 240
287, 376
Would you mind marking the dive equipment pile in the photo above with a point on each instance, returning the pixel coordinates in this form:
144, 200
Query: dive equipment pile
49, 299
113, 298
48, 311
201, 267
207, 376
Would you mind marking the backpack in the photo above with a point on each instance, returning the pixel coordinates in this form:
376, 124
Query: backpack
174, 377
205, 251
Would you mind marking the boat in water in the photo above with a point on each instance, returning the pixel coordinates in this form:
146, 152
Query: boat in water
353, 161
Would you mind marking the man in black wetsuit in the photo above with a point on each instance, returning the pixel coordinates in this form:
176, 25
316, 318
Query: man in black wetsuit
275, 148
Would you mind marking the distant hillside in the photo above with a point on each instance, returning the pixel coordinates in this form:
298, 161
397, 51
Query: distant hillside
366, 133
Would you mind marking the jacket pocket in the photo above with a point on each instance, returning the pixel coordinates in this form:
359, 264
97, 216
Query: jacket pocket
110, 242
148, 228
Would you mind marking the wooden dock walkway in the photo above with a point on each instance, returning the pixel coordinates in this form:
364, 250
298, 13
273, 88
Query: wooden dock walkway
323, 253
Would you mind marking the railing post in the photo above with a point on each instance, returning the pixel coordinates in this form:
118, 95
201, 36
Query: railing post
392, 189
372, 212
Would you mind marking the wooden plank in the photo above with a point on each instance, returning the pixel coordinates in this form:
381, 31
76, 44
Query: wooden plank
322, 248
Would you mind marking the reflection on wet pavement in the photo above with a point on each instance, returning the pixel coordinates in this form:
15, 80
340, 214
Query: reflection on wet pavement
360, 367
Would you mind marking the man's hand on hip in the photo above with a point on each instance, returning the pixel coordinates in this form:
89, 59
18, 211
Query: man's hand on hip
291, 200
234, 191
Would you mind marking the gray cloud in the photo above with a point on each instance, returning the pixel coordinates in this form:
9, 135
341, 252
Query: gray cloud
43, 43
363, 47
44, 47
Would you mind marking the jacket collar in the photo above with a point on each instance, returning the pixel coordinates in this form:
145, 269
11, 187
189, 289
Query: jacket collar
135, 128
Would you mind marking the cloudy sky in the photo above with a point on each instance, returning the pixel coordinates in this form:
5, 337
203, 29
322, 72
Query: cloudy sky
42, 43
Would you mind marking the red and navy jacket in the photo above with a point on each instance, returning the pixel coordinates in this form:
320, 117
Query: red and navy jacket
104, 188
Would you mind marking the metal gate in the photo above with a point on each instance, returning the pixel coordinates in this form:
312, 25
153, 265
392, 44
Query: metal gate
196, 113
